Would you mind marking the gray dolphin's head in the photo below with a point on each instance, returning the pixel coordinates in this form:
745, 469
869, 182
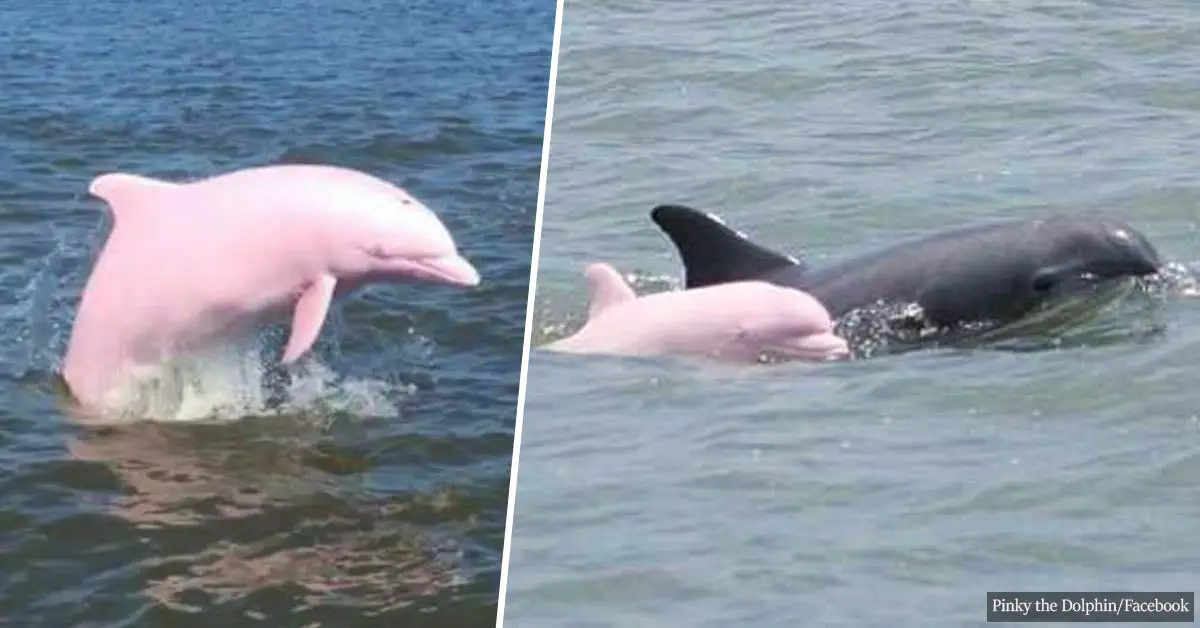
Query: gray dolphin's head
1074, 266
1001, 272
1073, 252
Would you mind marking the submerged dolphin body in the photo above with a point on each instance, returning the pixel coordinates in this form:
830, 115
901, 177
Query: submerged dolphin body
967, 281
741, 321
190, 265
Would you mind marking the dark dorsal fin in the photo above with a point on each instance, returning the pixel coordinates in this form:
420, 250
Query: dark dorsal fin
711, 252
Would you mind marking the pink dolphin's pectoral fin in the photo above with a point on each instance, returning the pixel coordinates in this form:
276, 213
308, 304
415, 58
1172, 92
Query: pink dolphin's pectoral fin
311, 310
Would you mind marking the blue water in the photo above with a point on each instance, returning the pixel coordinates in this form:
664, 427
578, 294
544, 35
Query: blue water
894, 491
381, 499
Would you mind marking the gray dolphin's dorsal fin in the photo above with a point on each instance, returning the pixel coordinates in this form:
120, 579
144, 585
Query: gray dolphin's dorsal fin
712, 252
606, 288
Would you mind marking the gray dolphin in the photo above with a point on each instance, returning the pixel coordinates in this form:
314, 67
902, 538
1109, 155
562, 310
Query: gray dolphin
967, 282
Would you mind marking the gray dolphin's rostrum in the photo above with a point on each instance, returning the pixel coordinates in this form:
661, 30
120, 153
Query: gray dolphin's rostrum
978, 277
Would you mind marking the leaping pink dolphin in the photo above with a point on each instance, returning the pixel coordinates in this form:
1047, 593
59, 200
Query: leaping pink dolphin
741, 321
190, 265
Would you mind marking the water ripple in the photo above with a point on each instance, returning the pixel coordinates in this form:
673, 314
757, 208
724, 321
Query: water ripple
891, 491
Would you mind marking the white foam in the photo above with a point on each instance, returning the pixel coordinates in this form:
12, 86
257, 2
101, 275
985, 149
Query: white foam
228, 382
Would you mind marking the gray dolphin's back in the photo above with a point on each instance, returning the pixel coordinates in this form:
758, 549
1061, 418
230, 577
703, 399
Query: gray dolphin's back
996, 271
970, 273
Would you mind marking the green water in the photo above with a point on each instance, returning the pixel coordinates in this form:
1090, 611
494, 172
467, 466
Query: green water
887, 492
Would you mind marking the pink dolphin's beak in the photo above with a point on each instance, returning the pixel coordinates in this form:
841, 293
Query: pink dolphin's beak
452, 269
823, 346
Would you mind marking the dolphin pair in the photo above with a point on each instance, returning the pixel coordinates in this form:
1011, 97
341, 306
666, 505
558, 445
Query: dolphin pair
970, 282
975, 282
190, 265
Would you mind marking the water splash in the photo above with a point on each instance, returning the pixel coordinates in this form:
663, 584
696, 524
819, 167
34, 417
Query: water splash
232, 381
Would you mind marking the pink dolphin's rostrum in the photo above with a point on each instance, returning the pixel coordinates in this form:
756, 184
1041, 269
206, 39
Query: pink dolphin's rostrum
740, 321
191, 265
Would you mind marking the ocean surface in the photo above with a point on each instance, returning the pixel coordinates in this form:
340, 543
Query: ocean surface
375, 491
891, 491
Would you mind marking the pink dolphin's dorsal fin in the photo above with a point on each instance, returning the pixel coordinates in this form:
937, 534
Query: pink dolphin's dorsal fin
606, 288
128, 193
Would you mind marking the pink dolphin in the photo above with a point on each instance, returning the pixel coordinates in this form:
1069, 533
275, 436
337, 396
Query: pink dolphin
189, 265
742, 321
